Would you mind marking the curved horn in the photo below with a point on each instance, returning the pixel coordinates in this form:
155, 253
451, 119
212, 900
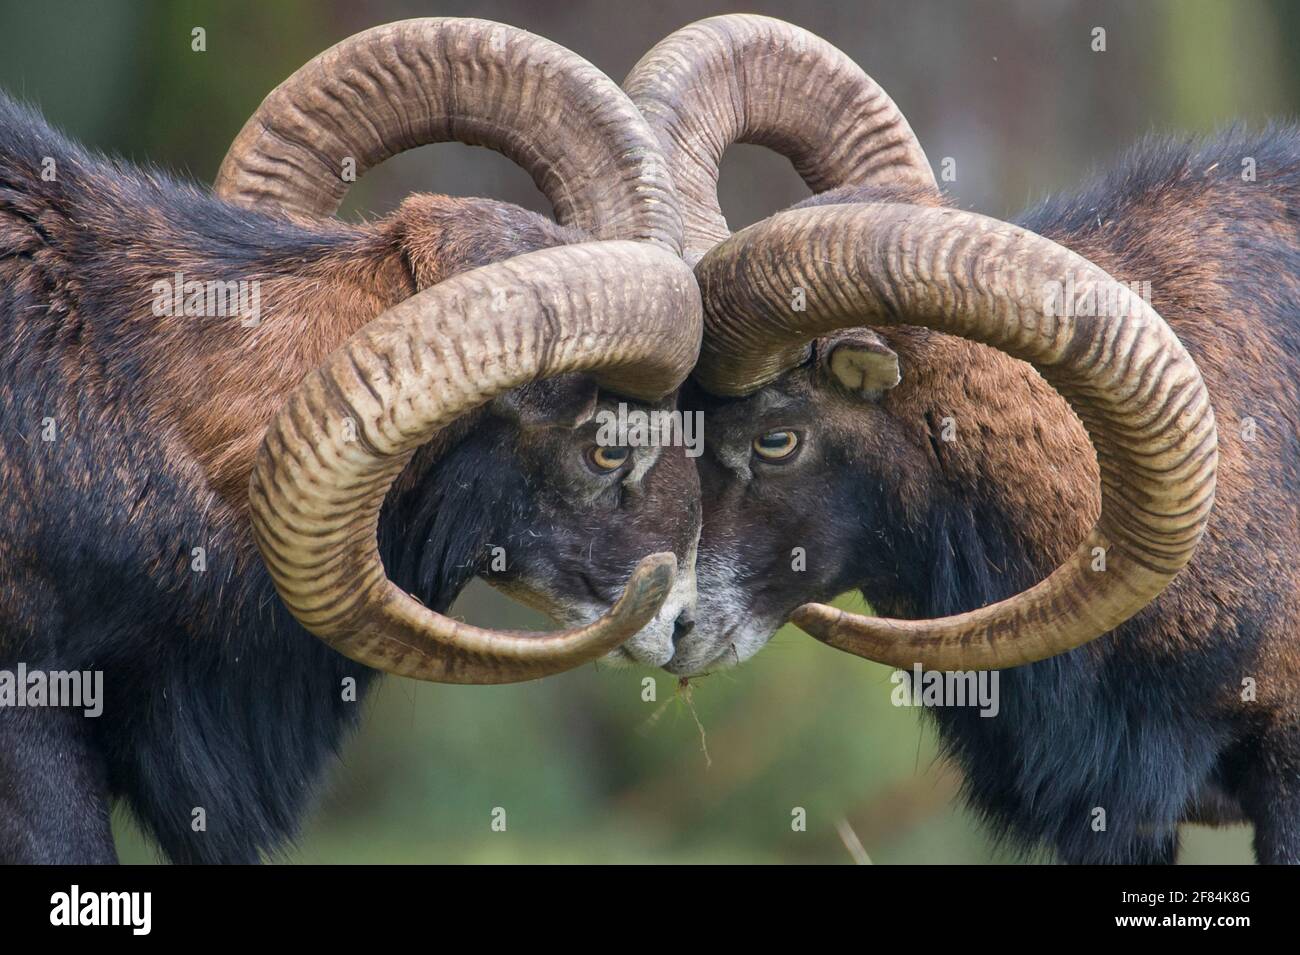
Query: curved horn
1126, 375
405, 84
752, 79
627, 311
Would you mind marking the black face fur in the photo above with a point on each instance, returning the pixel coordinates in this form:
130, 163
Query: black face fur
779, 531
555, 525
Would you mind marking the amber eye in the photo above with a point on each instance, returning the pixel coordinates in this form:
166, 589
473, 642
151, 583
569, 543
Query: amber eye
776, 445
608, 459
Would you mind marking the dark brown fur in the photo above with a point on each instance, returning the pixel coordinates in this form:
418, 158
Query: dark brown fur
215, 696
1148, 722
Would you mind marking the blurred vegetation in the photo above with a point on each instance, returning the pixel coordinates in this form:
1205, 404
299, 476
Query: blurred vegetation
585, 769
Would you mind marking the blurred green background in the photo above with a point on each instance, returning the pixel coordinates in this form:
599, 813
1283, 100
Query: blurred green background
584, 767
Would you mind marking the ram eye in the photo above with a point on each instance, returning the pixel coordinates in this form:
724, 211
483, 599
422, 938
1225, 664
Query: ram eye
776, 445
604, 460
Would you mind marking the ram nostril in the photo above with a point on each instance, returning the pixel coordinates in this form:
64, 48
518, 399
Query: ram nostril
683, 625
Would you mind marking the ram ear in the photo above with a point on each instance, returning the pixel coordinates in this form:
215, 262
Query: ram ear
565, 401
858, 361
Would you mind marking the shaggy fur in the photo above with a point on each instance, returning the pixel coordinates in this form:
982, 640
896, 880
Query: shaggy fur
215, 697
1147, 723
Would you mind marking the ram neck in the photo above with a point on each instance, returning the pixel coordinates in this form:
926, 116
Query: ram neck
234, 371
108, 259
1011, 485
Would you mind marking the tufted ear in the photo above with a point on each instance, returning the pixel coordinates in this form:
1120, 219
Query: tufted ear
565, 401
858, 361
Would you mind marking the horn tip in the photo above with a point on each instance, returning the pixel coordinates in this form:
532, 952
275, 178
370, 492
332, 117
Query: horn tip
650, 584
818, 620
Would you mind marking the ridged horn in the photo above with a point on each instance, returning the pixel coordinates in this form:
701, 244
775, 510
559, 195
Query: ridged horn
414, 82
1127, 376
742, 78
627, 312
